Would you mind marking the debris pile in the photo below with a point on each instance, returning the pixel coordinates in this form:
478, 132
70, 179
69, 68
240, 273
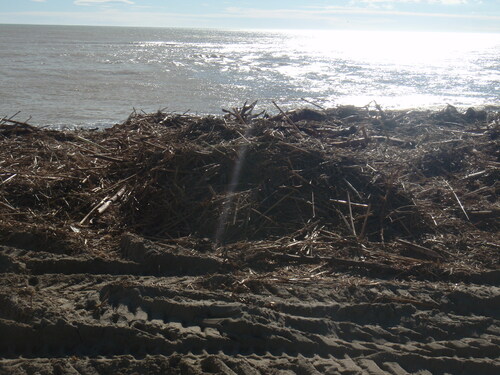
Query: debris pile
389, 192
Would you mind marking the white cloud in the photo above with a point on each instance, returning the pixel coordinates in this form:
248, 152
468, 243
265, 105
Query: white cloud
328, 11
39, 1
339, 17
444, 2
93, 2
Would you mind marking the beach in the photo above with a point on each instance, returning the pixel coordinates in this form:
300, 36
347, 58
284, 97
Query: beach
348, 240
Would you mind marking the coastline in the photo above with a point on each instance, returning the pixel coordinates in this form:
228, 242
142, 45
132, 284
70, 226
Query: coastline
311, 240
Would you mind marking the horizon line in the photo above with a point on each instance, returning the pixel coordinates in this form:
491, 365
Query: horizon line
415, 30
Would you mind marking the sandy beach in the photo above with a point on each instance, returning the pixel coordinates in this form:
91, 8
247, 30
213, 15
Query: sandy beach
317, 241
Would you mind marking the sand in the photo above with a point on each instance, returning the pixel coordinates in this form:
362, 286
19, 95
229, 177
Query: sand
121, 303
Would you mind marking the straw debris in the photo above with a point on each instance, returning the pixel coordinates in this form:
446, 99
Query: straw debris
365, 189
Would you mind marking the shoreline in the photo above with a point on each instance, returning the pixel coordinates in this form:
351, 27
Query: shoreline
269, 108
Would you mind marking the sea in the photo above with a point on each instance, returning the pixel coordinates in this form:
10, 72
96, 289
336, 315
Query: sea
81, 76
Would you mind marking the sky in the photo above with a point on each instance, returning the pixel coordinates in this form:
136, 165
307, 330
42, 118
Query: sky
414, 15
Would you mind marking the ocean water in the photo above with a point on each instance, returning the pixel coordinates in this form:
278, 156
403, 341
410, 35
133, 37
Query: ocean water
88, 76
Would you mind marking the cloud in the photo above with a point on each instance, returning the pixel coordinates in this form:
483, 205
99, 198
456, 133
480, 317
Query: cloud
94, 2
39, 1
444, 2
353, 16
322, 12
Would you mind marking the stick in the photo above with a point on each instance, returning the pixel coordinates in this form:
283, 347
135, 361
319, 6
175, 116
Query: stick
15, 114
288, 119
91, 142
350, 214
312, 201
103, 205
353, 188
458, 200
45, 177
363, 228
480, 190
474, 175
239, 117
84, 220
8, 179
342, 217
105, 191
23, 124
7, 206
314, 104
420, 249
354, 204
264, 216
113, 199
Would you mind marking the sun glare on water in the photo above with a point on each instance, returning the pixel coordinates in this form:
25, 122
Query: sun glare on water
399, 68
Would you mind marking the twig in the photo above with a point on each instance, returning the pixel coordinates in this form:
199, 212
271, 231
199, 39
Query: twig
45, 177
264, 216
23, 124
91, 212
106, 157
103, 205
354, 204
353, 188
312, 202
421, 250
8, 179
14, 115
343, 218
243, 114
239, 117
396, 141
458, 200
474, 175
480, 190
288, 119
350, 214
113, 199
312, 103
363, 228
91, 142
7, 206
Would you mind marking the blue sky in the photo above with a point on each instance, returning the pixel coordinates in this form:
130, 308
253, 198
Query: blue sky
429, 15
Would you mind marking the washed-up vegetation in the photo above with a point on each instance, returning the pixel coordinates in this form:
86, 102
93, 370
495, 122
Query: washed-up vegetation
363, 185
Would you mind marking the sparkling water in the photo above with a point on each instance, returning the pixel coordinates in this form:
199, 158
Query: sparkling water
88, 76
